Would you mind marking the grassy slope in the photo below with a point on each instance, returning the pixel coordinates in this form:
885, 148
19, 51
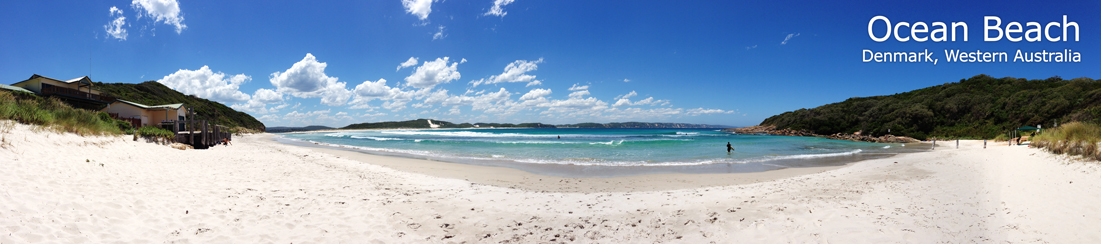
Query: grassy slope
153, 93
54, 114
978, 107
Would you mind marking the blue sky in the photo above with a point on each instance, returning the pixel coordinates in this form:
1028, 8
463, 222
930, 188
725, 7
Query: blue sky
295, 63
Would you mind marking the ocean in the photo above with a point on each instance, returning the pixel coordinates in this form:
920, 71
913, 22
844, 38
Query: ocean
605, 152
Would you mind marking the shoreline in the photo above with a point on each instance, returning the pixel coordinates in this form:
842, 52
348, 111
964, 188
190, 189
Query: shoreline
106, 189
519, 179
754, 170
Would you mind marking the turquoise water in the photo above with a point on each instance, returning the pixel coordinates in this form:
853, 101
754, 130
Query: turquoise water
606, 148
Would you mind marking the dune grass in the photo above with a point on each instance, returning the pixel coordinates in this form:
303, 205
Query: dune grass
53, 114
154, 132
1075, 138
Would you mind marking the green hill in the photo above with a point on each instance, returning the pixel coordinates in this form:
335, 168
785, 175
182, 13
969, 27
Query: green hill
978, 107
153, 93
419, 123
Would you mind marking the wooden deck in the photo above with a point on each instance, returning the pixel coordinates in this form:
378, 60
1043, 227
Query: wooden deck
200, 134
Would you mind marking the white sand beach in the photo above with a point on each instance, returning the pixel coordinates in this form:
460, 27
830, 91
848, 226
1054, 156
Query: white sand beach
64, 188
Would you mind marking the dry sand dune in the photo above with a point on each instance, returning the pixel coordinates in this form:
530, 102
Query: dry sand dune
63, 188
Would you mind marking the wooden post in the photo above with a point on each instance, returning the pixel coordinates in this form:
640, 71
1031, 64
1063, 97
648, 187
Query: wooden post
190, 127
203, 133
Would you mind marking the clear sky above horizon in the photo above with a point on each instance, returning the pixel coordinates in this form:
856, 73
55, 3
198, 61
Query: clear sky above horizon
297, 63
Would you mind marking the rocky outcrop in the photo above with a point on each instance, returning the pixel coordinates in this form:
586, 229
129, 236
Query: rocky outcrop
771, 130
881, 139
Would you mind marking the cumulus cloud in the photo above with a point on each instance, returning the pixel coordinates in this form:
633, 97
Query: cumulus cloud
535, 93
166, 11
412, 61
260, 100
205, 83
114, 28
786, 39
514, 72
575, 87
267, 96
626, 80
496, 10
433, 73
307, 79
580, 93
420, 8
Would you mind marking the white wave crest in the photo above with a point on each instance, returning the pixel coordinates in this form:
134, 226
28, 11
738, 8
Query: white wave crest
376, 138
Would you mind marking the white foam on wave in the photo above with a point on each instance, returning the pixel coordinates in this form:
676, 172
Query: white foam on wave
687, 133
376, 138
610, 143
462, 133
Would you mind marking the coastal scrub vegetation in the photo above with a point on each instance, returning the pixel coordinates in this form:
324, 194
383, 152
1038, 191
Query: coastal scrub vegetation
154, 93
1075, 138
51, 113
978, 107
154, 132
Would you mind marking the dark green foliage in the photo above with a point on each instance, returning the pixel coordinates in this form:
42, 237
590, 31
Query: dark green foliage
153, 93
978, 107
54, 114
154, 132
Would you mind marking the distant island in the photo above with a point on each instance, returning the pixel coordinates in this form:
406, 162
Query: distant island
981, 107
426, 124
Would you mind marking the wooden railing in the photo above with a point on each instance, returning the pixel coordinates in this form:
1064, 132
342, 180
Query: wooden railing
75, 93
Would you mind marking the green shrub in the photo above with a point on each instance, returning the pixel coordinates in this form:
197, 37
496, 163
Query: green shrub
52, 113
1075, 138
152, 131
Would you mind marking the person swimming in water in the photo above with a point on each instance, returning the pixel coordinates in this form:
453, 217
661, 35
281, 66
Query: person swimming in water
729, 148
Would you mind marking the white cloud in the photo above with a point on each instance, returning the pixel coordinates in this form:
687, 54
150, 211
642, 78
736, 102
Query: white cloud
412, 61
755, 46
371, 89
497, 10
626, 80
420, 8
786, 39
628, 95
114, 28
307, 79
205, 83
534, 83
580, 93
454, 110
575, 87
514, 72
260, 100
269, 118
433, 73
439, 34
699, 111
535, 93
167, 11
267, 96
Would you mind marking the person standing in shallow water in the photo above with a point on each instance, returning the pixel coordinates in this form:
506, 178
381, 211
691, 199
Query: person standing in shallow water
729, 148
